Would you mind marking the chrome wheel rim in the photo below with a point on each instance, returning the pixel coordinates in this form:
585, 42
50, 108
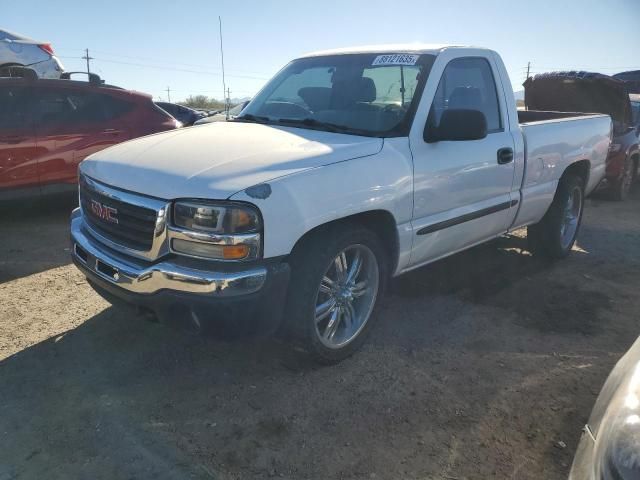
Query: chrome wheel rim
346, 296
571, 217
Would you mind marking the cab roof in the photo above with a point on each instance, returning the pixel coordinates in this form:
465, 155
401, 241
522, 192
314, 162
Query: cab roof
419, 48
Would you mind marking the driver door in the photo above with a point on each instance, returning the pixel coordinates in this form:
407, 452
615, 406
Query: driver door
462, 189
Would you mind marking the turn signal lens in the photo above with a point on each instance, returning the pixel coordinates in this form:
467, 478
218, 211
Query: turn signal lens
207, 250
235, 252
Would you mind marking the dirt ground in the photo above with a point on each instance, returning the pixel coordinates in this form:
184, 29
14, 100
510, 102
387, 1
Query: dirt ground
483, 365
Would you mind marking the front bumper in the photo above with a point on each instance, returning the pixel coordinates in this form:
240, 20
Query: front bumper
179, 293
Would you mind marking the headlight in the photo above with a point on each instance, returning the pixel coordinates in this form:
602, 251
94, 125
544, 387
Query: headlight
222, 231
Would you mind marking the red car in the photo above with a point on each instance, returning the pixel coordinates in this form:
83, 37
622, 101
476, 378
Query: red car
47, 127
594, 92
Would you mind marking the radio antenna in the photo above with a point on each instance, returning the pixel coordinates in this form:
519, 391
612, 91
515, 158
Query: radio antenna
224, 85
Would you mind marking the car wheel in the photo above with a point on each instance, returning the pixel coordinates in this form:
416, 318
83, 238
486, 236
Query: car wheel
6, 70
338, 277
556, 233
621, 187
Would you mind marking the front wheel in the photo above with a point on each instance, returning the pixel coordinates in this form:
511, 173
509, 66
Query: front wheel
337, 281
556, 233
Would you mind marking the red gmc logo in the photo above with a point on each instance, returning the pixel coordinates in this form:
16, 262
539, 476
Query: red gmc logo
104, 212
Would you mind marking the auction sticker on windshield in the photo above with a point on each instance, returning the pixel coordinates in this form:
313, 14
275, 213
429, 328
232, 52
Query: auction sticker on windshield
396, 59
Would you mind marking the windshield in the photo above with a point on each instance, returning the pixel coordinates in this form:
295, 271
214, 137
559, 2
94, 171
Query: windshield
363, 94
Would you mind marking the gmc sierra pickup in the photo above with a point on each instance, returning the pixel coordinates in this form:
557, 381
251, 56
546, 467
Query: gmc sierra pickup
349, 167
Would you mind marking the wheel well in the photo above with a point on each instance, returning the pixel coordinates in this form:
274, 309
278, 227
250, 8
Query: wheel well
636, 162
381, 222
582, 168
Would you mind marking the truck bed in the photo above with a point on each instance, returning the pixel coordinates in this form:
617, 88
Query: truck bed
554, 140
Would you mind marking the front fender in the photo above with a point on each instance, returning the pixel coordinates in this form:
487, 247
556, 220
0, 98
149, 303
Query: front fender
293, 205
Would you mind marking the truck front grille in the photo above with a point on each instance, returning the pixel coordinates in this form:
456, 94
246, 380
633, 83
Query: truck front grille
121, 222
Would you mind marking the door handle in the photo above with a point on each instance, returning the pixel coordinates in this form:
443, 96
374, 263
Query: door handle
112, 131
505, 155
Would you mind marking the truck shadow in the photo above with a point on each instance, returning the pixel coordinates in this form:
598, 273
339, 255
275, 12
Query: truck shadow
504, 277
34, 235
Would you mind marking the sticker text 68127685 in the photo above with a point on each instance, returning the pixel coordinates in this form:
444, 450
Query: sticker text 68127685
396, 59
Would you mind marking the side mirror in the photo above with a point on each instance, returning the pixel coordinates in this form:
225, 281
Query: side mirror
457, 125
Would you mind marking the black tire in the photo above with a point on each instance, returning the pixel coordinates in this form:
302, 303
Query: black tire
5, 69
545, 237
309, 264
621, 187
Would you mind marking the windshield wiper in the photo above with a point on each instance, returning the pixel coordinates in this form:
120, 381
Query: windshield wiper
247, 117
313, 123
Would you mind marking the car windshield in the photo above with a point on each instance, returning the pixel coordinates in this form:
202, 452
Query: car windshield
363, 94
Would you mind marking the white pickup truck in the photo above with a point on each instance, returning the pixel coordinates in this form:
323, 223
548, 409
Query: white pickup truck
349, 167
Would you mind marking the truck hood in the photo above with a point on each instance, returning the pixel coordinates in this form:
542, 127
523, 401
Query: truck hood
219, 159
579, 92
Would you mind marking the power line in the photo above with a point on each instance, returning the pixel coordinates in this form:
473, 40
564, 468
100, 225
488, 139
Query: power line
135, 57
161, 67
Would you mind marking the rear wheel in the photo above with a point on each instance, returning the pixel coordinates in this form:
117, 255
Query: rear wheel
621, 187
337, 281
556, 233
7, 71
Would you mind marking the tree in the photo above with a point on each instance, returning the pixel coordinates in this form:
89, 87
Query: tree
203, 102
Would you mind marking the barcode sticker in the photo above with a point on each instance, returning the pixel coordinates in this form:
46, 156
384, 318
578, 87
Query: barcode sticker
396, 59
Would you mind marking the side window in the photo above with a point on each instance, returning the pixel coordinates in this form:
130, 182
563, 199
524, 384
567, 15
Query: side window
62, 106
115, 107
51, 107
14, 108
468, 83
87, 107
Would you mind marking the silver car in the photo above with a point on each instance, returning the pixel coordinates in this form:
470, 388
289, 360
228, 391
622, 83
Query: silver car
22, 51
610, 445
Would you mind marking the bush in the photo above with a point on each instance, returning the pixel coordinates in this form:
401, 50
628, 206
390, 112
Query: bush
203, 102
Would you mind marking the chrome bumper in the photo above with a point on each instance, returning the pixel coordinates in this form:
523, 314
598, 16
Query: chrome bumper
142, 277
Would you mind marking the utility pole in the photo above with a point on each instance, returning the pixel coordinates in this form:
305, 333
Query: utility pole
228, 101
528, 69
87, 58
168, 94
224, 85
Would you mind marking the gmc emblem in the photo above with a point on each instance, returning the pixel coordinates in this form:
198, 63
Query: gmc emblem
104, 212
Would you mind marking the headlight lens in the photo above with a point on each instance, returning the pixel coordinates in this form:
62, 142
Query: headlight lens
220, 219
216, 231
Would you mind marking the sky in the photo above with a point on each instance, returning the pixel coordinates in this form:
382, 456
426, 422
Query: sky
152, 45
